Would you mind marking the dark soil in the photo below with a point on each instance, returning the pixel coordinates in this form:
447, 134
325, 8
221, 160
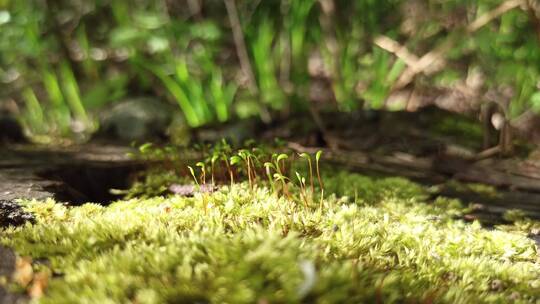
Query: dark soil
11, 214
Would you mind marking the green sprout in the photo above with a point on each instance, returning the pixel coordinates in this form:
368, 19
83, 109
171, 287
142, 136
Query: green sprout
283, 179
193, 175
279, 172
281, 157
238, 159
317, 159
223, 151
146, 147
303, 192
213, 160
225, 159
307, 157
256, 155
203, 172
269, 166
203, 180
246, 157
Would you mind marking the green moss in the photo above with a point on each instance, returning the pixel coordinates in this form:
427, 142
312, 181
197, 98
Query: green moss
481, 189
372, 190
462, 129
520, 222
250, 246
154, 183
514, 215
486, 190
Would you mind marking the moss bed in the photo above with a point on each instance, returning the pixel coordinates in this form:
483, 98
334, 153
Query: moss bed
373, 241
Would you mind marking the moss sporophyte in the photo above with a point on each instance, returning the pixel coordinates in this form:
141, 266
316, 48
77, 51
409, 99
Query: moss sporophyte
392, 244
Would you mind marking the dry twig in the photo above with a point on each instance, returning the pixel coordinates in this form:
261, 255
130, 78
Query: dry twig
434, 59
242, 53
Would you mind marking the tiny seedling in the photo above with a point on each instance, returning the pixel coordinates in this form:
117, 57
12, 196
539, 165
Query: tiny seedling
246, 157
224, 150
213, 160
307, 157
225, 159
203, 172
283, 179
279, 172
146, 148
268, 167
255, 155
303, 192
249, 168
317, 159
148, 151
242, 157
282, 157
205, 203
193, 175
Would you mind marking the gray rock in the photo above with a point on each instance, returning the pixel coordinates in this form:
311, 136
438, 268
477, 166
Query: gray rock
137, 119
7, 268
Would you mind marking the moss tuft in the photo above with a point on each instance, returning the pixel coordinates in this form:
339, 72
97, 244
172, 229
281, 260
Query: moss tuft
243, 245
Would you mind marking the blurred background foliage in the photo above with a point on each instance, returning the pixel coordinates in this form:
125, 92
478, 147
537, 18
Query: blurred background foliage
64, 62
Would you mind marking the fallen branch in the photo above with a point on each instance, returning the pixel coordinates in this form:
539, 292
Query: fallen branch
493, 14
240, 44
434, 60
397, 49
243, 57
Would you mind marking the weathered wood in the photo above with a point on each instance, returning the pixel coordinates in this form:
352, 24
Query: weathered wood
498, 202
515, 192
499, 174
436, 167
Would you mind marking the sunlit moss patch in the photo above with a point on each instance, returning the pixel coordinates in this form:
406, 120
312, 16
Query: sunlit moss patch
373, 241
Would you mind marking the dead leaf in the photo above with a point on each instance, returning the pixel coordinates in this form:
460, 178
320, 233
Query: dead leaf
23, 271
39, 284
166, 208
